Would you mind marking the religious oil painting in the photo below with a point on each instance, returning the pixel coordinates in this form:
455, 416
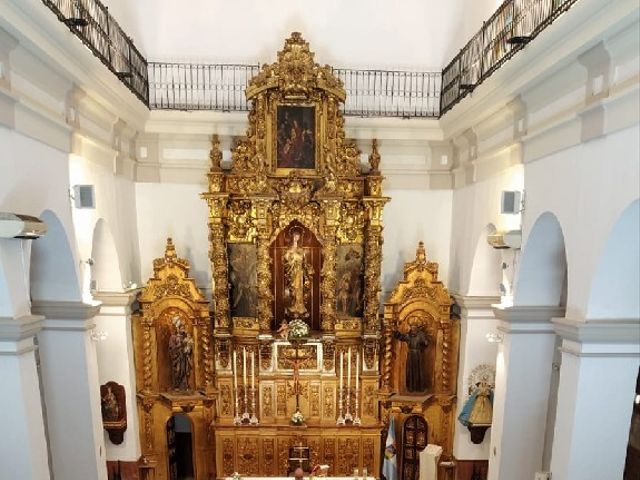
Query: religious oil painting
296, 143
349, 269
243, 279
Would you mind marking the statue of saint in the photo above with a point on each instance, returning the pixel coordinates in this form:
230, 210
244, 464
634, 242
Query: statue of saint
416, 339
110, 407
180, 354
297, 271
478, 409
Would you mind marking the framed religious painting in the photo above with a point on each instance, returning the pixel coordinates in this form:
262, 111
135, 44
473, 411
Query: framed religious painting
296, 138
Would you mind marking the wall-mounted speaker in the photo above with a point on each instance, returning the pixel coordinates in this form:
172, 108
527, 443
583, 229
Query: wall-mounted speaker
84, 196
510, 203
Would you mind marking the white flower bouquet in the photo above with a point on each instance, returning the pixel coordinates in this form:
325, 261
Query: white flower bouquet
297, 418
298, 330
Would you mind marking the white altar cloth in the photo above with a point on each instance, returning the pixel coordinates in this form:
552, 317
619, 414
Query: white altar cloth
429, 459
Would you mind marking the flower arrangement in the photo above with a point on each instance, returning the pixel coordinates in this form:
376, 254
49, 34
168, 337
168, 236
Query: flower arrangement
297, 418
298, 330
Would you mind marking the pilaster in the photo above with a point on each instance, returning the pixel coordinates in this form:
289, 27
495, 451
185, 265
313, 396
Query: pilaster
23, 445
476, 320
600, 361
524, 370
116, 363
71, 389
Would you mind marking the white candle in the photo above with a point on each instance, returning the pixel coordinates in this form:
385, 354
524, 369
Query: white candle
244, 367
349, 373
234, 365
357, 371
253, 371
341, 373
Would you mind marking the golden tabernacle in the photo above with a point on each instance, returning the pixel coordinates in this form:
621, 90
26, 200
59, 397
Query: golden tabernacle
295, 356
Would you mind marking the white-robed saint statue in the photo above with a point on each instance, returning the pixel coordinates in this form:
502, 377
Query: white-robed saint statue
297, 270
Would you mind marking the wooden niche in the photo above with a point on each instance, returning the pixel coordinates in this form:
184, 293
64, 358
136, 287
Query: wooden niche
418, 313
174, 374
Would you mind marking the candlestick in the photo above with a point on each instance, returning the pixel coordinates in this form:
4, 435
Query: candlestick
347, 416
245, 414
356, 419
234, 366
340, 420
254, 419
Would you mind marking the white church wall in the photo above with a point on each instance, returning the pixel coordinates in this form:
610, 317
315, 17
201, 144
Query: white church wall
587, 187
177, 211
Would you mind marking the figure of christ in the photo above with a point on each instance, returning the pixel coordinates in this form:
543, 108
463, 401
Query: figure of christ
296, 268
416, 340
244, 271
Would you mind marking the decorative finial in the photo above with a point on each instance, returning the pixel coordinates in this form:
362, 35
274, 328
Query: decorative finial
374, 157
421, 255
215, 154
170, 250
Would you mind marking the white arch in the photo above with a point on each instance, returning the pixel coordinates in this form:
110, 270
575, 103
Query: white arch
616, 283
106, 274
54, 273
486, 272
542, 276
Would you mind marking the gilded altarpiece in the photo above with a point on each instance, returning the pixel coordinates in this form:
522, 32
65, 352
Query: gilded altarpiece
174, 366
295, 233
419, 365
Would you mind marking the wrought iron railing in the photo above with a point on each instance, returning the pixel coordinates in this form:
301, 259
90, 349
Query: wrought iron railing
92, 23
510, 28
370, 93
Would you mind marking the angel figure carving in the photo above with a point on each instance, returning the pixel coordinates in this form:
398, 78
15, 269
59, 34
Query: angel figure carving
297, 273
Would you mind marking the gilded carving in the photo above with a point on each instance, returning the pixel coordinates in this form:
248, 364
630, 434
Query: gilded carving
267, 401
368, 454
281, 400
248, 456
348, 453
228, 457
315, 400
307, 357
329, 452
268, 449
329, 402
265, 355
225, 399
370, 350
368, 402
328, 355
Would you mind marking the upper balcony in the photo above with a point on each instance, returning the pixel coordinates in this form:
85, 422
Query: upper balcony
370, 93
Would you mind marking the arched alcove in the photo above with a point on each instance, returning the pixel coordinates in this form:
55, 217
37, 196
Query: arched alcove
542, 276
105, 271
486, 271
54, 272
615, 286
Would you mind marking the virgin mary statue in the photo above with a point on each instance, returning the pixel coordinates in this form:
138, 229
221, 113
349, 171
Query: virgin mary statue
296, 268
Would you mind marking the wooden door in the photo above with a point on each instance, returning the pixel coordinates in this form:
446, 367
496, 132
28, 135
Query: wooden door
414, 440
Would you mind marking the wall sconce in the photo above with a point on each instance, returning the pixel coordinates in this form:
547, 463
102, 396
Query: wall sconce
493, 337
99, 335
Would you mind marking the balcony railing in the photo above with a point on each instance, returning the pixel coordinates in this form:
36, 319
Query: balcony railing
370, 93
91, 22
510, 28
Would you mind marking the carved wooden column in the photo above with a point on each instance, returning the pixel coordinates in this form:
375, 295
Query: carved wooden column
264, 308
217, 201
328, 285
372, 262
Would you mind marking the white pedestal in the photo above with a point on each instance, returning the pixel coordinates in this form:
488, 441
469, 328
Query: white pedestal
429, 459
71, 390
23, 445
521, 398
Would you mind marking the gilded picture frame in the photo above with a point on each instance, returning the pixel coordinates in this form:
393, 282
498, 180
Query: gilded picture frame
296, 138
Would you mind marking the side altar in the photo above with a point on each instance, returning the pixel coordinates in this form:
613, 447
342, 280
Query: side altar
295, 236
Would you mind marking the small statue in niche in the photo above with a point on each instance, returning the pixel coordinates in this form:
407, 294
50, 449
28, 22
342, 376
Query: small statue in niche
110, 407
416, 339
478, 410
180, 354
297, 272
